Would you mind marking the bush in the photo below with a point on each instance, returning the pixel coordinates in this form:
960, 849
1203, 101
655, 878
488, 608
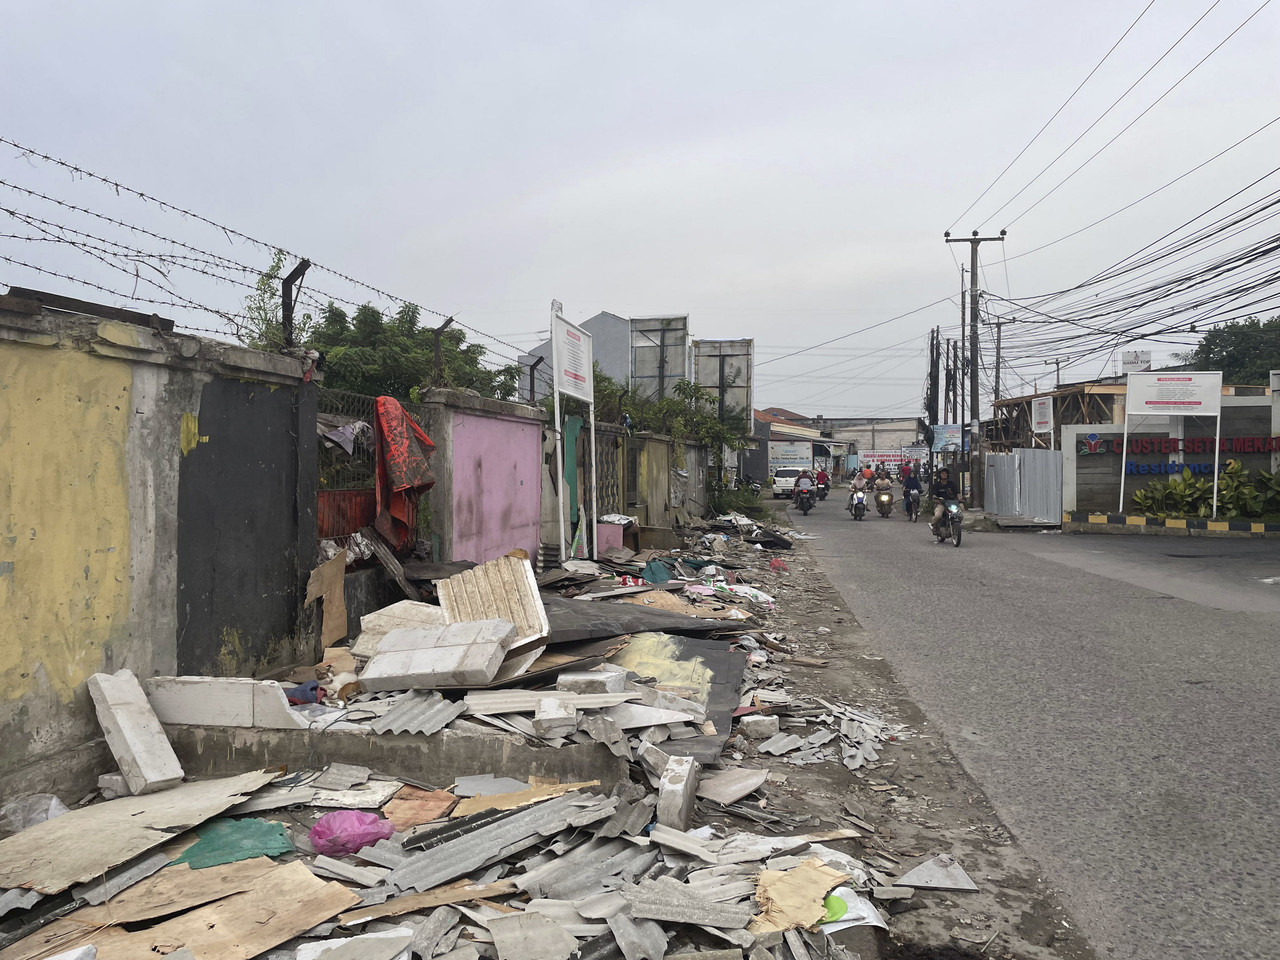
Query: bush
1192, 496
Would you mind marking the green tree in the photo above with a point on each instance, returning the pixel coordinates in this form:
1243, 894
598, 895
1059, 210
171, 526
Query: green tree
372, 353
1246, 351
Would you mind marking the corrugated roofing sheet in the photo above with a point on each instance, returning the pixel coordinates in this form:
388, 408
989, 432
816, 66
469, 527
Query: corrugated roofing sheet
484, 845
418, 712
503, 589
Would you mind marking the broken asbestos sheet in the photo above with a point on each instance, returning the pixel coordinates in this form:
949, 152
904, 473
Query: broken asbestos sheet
85, 843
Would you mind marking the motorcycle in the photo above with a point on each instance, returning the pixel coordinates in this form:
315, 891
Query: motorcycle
857, 503
804, 500
951, 526
740, 483
823, 490
884, 502
911, 503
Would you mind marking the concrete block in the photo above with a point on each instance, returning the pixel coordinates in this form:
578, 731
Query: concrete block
732, 785
677, 791
591, 681
113, 785
554, 718
133, 733
455, 655
222, 702
758, 727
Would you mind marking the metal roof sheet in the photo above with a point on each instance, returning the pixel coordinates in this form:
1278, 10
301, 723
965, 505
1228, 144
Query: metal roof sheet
418, 712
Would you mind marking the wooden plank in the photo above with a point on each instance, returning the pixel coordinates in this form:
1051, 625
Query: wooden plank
460, 891
281, 904
389, 561
172, 890
83, 844
326, 583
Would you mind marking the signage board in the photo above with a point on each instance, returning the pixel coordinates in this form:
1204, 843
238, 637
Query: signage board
1181, 394
724, 368
915, 451
1135, 361
873, 458
1042, 414
790, 453
571, 351
947, 437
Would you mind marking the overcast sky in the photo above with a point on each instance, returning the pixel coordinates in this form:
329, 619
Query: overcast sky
782, 171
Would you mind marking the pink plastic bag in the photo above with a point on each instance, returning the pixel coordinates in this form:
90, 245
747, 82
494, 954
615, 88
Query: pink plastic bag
342, 832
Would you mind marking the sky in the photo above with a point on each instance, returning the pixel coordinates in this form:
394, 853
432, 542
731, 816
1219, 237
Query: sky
777, 171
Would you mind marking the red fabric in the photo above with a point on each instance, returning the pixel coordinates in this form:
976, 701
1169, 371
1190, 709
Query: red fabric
403, 471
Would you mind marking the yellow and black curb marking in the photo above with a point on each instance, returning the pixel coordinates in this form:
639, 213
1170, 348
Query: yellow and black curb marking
1153, 524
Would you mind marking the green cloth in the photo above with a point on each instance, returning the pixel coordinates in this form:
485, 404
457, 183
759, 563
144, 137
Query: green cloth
655, 571
226, 841
572, 428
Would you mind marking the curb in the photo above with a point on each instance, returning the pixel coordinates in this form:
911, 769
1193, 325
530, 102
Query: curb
1120, 523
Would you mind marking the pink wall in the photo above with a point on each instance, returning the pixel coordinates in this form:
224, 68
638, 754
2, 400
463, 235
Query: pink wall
497, 468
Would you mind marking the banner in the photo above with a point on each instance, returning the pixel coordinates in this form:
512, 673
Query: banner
947, 437
571, 353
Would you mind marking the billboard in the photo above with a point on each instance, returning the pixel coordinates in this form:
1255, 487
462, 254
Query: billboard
1135, 361
571, 355
660, 356
1174, 394
890, 458
1042, 414
790, 453
947, 437
724, 369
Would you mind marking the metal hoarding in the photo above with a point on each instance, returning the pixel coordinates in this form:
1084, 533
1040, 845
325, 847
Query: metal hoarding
660, 356
725, 369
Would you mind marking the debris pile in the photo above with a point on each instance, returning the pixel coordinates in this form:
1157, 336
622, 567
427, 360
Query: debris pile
662, 658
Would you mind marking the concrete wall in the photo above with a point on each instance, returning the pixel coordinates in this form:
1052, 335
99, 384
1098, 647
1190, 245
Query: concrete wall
488, 460
157, 496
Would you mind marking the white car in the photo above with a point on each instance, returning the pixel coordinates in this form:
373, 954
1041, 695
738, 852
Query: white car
784, 481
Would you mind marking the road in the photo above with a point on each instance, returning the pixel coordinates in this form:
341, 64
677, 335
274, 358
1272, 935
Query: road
1116, 697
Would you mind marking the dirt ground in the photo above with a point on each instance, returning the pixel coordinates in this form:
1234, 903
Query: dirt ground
926, 805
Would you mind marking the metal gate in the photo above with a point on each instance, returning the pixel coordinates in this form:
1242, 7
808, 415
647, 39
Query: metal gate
1025, 485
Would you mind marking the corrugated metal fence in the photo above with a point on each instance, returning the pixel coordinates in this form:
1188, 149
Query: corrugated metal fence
1025, 483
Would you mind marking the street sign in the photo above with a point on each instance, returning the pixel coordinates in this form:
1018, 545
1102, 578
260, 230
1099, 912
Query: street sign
571, 349
1174, 394
1042, 414
1135, 361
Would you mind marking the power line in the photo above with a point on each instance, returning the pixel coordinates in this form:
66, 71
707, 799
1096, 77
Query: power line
853, 333
1018, 157
1126, 127
1103, 115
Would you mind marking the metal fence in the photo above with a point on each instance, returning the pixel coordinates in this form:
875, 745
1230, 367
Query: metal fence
1025, 483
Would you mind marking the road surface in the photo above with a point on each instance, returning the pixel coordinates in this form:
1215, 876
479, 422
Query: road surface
1117, 699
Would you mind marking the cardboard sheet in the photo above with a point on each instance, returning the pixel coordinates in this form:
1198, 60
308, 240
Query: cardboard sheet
325, 583
794, 898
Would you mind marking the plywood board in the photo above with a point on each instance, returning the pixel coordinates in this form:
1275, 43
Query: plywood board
85, 843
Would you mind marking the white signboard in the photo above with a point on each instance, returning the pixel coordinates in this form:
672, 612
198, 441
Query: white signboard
1042, 414
790, 453
915, 451
1135, 361
1174, 394
571, 352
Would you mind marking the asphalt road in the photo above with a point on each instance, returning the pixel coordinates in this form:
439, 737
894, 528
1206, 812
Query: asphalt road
1117, 698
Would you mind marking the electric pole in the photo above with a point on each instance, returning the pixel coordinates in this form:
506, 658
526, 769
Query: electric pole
1056, 363
974, 242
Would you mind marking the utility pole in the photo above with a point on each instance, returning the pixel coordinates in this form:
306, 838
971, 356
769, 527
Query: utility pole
974, 242
999, 323
1056, 363
948, 386
286, 299
931, 398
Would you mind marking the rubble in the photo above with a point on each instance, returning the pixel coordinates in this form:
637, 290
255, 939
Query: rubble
689, 852
147, 761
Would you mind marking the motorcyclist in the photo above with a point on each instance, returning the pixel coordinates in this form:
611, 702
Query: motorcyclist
824, 480
803, 482
910, 482
942, 490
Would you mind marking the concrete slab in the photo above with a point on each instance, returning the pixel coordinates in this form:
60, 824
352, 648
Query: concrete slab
133, 732
222, 702
591, 681
458, 654
677, 791
554, 718
731, 786
407, 613
758, 726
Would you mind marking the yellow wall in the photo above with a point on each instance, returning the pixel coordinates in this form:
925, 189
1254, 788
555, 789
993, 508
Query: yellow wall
64, 516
